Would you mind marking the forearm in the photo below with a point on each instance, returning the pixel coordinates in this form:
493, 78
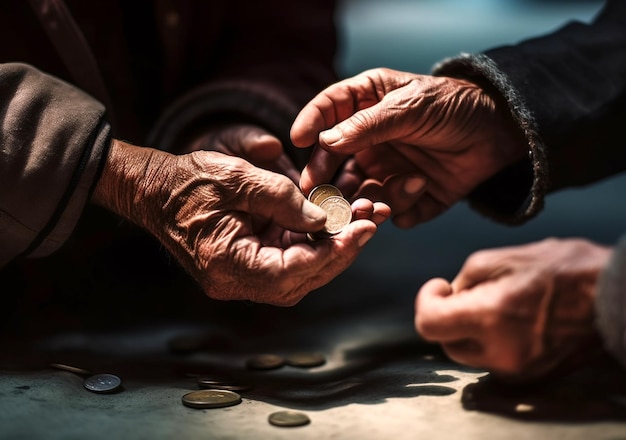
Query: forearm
129, 184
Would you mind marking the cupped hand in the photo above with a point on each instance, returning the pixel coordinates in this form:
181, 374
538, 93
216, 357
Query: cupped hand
420, 143
250, 142
517, 311
237, 229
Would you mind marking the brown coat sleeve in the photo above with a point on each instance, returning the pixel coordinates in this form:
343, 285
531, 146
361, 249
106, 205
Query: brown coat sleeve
53, 140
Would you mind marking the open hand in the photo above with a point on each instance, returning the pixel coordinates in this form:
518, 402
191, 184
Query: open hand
237, 229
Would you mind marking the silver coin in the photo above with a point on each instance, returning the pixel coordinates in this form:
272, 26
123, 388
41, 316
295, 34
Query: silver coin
265, 362
305, 360
338, 214
209, 383
288, 418
102, 383
322, 192
211, 399
71, 369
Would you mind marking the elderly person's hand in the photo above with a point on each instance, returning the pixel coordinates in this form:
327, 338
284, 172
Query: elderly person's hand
419, 143
517, 311
237, 229
250, 142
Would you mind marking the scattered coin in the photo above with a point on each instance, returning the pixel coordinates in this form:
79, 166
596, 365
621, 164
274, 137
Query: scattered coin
211, 399
338, 214
322, 192
208, 383
71, 369
102, 383
305, 360
288, 418
265, 362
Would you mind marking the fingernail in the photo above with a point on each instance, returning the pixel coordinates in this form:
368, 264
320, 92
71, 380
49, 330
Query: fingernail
365, 238
331, 136
312, 211
413, 185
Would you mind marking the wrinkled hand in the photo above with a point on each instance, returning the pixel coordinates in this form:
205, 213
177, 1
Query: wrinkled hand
249, 142
517, 311
237, 229
418, 142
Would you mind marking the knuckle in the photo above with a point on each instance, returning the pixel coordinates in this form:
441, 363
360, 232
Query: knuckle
424, 326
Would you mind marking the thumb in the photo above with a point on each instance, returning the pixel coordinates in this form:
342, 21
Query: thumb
285, 204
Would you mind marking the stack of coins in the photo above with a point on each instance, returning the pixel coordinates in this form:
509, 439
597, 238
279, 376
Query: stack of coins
338, 210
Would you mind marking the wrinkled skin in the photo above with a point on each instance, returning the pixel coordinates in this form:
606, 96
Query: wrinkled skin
237, 229
262, 149
517, 311
250, 142
419, 143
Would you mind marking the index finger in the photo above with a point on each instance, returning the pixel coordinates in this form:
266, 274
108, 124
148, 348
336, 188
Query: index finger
334, 104
321, 168
442, 316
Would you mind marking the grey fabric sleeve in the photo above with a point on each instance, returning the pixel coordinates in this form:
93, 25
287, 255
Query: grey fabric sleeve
610, 303
53, 142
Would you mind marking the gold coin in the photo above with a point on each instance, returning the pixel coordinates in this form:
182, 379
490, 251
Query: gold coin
75, 370
209, 383
211, 399
305, 360
338, 214
322, 192
265, 362
288, 418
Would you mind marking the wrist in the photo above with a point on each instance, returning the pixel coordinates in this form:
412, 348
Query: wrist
126, 185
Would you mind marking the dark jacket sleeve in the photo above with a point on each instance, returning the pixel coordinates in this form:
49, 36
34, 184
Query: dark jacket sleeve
53, 140
274, 56
567, 91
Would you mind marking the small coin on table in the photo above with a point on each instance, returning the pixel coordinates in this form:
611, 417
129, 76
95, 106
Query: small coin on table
211, 399
265, 362
288, 418
216, 384
71, 369
103, 383
305, 360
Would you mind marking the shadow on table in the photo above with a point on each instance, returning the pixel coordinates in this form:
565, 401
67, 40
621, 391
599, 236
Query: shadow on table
592, 393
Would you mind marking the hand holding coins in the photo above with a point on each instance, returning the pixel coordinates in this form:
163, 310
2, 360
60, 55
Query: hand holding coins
338, 210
